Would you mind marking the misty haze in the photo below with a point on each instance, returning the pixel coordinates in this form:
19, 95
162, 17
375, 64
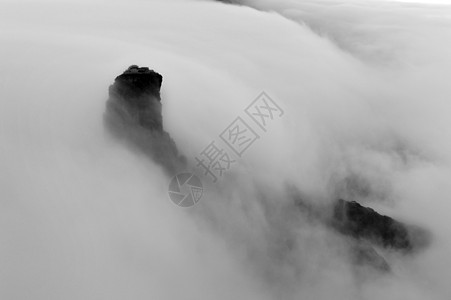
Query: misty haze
240, 149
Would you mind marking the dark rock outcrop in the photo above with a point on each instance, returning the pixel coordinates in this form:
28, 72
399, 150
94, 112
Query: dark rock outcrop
367, 232
134, 113
353, 219
370, 229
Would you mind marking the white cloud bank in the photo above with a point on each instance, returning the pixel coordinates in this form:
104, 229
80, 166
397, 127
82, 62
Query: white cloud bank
366, 90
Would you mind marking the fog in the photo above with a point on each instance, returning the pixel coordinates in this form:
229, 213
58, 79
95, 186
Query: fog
366, 94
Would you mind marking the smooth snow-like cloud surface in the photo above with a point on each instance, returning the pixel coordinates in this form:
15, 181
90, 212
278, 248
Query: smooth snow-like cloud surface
366, 92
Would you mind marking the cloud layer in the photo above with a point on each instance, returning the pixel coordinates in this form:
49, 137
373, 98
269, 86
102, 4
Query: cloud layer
366, 94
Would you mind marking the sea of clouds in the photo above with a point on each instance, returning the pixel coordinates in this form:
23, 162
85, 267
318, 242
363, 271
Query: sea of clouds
366, 94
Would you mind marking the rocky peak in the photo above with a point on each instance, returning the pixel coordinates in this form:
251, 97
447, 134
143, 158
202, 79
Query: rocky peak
134, 113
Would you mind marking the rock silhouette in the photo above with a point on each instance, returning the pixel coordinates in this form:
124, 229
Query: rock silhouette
134, 114
353, 219
367, 231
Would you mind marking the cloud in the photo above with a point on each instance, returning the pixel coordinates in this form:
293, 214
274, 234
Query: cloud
364, 87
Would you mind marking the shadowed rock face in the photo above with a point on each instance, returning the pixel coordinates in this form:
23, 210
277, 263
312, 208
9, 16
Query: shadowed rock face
361, 222
367, 232
369, 229
133, 114
137, 91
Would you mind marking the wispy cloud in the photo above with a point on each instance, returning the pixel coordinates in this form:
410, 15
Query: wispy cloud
365, 90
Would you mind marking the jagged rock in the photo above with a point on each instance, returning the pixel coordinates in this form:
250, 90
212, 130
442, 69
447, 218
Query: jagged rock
138, 91
361, 222
134, 113
365, 230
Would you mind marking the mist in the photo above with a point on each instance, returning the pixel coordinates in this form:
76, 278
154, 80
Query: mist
365, 90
